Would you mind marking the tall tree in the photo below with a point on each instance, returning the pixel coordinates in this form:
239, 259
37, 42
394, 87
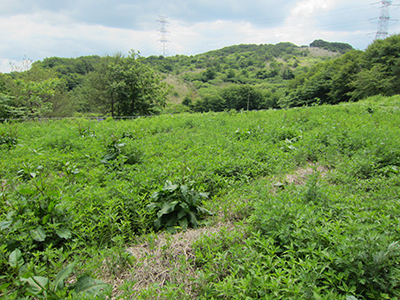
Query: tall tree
135, 89
123, 86
380, 70
34, 93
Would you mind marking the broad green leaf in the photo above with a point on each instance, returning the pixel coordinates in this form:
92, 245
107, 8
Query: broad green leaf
181, 213
4, 286
192, 201
109, 156
38, 234
171, 230
204, 211
167, 208
62, 275
45, 219
51, 206
155, 195
26, 192
193, 220
5, 225
184, 189
185, 206
170, 187
171, 220
157, 224
53, 193
204, 195
89, 286
15, 259
183, 223
151, 206
37, 283
63, 233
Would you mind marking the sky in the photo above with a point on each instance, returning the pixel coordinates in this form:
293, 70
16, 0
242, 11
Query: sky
36, 29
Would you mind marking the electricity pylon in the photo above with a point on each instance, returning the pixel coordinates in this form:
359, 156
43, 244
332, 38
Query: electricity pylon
163, 24
384, 18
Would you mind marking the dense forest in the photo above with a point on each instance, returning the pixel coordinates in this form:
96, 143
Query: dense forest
248, 77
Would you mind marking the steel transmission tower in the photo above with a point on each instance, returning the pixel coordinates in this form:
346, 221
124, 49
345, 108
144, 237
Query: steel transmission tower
384, 18
163, 24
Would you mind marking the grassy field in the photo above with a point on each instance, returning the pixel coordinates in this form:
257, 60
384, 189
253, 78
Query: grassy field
278, 204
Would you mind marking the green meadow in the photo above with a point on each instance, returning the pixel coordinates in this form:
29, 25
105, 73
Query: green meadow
300, 203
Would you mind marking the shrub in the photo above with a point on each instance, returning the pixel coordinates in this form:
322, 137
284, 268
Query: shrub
177, 204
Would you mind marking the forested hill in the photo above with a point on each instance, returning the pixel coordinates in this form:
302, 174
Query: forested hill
236, 77
247, 55
337, 47
265, 69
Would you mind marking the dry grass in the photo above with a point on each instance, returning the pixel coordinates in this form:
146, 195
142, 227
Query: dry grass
162, 258
181, 89
318, 52
300, 176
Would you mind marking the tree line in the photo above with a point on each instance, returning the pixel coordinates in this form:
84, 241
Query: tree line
351, 77
237, 77
112, 85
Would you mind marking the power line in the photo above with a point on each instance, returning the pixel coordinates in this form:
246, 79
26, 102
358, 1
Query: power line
163, 24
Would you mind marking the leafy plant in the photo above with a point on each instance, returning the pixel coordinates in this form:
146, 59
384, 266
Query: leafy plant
42, 287
34, 220
177, 204
28, 171
121, 152
8, 138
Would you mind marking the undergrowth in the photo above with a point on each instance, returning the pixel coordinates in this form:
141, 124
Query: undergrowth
73, 191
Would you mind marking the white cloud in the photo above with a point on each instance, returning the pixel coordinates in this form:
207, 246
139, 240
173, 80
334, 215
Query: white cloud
28, 36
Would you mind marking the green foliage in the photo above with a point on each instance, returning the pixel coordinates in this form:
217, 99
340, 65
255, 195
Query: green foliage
335, 47
233, 97
126, 86
71, 70
8, 138
8, 110
380, 70
352, 77
121, 152
134, 88
122, 86
41, 287
331, 237
34, 219
309, 197
177, 205
34, 93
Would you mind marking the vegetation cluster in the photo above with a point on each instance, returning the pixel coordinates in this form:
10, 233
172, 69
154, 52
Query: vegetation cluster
60, 87
335, 47
121, 86
285, 147
248, 77
72, 203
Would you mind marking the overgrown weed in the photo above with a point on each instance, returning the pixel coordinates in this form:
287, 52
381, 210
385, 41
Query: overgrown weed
325, 233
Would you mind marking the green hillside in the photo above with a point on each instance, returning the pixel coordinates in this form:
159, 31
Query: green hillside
267, 68
298, 203
62, 87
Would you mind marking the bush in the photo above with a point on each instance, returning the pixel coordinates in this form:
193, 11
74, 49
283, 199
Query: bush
177, 205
